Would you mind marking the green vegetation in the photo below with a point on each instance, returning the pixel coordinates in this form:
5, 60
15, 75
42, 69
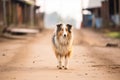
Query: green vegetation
114, 34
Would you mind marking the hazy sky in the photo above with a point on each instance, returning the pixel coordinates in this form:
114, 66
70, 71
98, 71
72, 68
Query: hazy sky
65, 8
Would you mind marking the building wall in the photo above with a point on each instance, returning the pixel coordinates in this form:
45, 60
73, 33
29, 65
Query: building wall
105, 13
17, 12
114, 11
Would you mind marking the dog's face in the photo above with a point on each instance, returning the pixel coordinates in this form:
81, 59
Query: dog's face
64, 30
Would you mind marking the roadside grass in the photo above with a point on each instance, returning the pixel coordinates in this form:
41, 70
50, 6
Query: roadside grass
113, 34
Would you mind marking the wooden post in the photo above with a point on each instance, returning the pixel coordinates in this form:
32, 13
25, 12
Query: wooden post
119, 11
32, 15
24, 19
4, 12
105, 13
82, 25
10, 12
109, 8
119, 7
14, 14
115, 8
19, 14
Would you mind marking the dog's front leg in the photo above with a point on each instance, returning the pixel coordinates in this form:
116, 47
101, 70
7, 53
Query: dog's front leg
66, 62
59, 62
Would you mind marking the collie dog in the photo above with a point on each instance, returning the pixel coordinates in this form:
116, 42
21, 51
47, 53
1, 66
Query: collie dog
62, 44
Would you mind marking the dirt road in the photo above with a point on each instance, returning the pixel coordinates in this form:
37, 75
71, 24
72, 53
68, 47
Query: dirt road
33, 59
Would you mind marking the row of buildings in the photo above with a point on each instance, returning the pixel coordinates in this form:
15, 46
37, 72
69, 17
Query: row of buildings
20, 13
105, 13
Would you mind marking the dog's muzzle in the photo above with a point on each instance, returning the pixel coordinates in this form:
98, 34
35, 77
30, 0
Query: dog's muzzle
65, 35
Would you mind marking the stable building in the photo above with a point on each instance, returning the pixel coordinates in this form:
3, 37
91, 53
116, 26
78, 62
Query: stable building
105, 15
18, 12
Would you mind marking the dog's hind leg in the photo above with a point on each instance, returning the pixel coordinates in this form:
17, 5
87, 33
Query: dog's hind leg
59, 62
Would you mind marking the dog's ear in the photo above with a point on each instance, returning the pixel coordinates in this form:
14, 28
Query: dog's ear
58, 27
69, 27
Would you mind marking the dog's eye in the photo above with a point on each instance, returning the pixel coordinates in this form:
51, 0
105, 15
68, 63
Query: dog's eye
66, 29
61, 29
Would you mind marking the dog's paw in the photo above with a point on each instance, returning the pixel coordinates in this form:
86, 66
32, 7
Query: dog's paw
59, 67
65, 68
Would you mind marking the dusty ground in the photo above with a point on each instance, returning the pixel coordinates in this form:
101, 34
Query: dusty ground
33, 58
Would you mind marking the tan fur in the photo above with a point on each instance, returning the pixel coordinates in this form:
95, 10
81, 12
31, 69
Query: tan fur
68, 54
63, 47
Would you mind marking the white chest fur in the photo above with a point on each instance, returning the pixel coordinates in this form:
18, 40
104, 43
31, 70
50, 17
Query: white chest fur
63, 46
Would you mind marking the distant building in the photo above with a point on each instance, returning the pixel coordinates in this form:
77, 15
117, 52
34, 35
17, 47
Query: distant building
18, 12
93, 18
111, 12
107, 13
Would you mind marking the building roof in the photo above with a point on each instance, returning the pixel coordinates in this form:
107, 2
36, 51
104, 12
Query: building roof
94, 3
30, 2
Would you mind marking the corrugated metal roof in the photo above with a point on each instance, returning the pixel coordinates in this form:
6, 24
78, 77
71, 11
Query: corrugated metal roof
31, 2
94, 3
